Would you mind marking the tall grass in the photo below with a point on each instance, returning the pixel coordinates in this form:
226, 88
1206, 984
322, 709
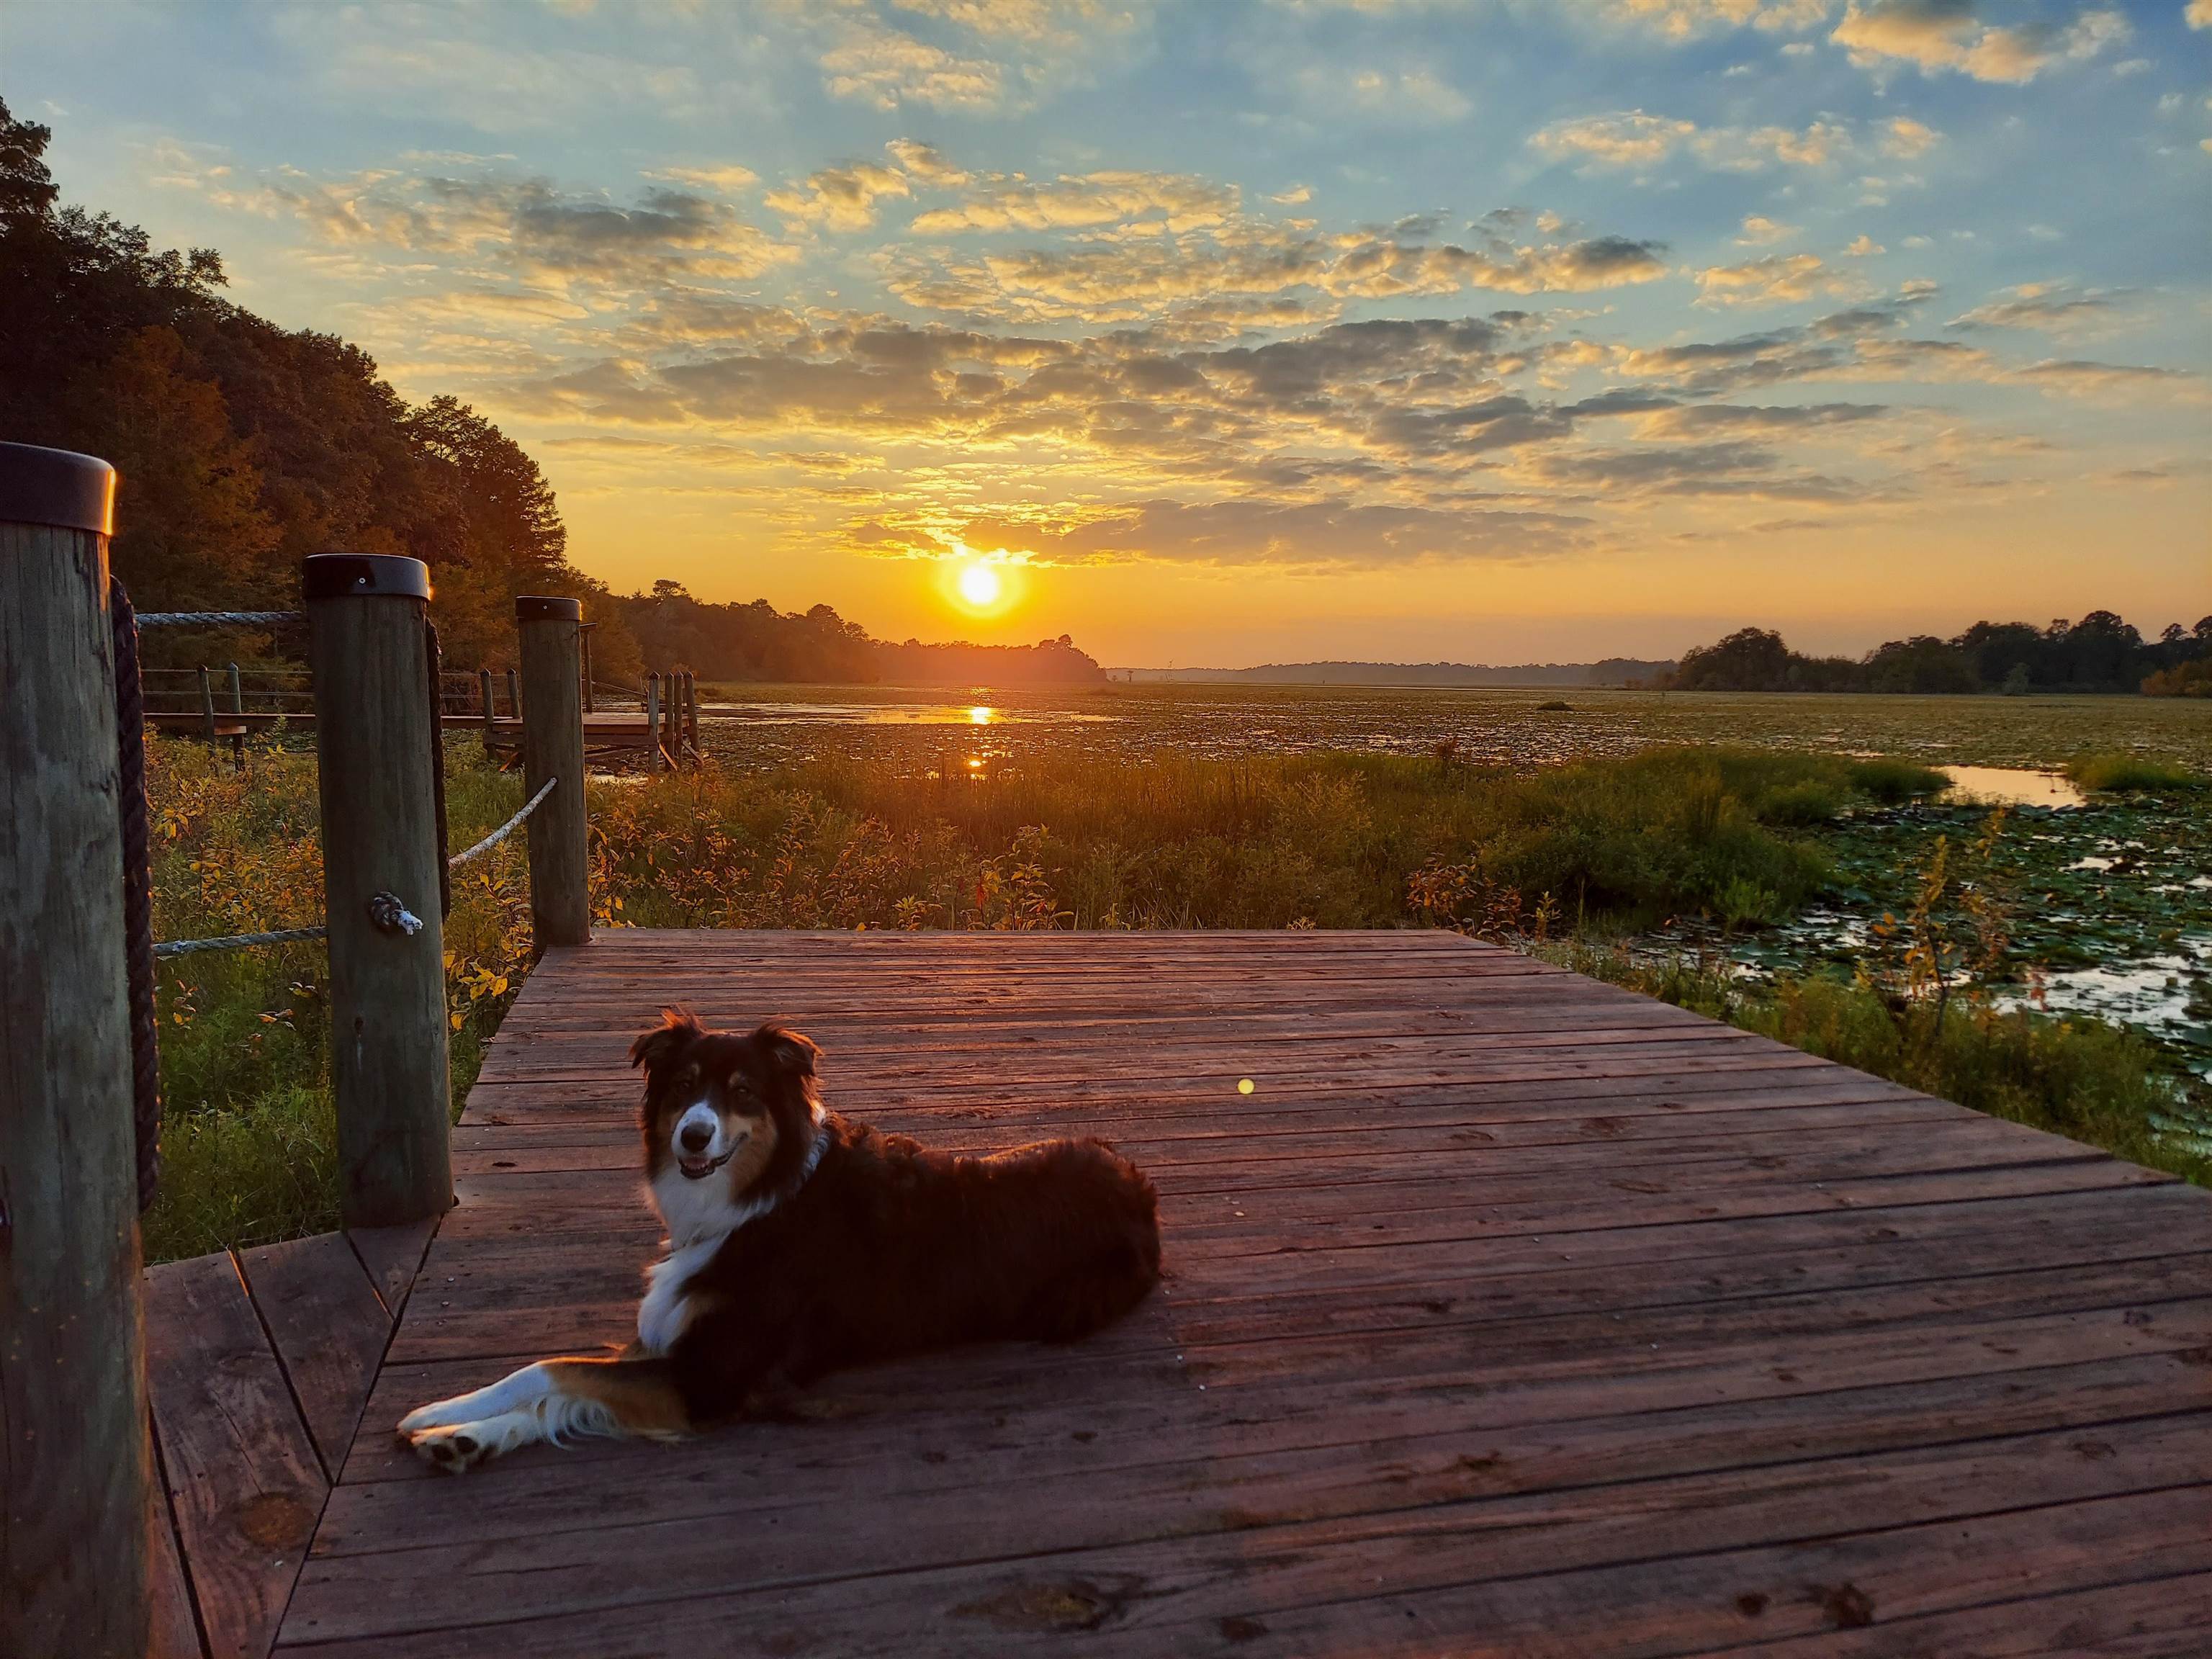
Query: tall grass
248, 1130
2079, 1078
1566, 854
2117, 770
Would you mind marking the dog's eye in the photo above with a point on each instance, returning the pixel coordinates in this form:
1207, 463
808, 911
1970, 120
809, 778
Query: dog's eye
738, 1084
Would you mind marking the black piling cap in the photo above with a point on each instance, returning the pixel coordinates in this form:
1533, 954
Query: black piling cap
537, 607
355, 576
56, 487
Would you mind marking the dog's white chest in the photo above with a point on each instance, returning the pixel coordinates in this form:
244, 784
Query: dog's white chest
665, 1310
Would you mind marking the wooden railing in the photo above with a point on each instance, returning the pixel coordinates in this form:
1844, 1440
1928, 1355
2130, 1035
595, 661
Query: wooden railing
72, 1369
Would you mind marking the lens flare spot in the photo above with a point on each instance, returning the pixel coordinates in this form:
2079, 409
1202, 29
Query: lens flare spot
1245, 1085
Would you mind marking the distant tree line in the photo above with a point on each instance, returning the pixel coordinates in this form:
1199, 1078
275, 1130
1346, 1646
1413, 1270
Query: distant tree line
2100, 652
758, 642
244, 447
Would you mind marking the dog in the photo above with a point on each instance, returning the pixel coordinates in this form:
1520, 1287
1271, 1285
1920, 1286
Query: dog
801, 1243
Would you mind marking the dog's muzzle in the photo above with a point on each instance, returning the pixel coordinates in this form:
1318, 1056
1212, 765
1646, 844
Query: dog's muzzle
704, 1167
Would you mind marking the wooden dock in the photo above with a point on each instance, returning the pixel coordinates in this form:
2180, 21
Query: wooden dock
1509, 1314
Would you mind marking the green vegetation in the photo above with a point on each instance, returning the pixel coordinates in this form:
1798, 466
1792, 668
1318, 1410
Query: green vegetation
1556, 860
2083, 1078
247, 1133
2118, 773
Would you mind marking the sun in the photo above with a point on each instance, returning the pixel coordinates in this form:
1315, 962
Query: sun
980, 584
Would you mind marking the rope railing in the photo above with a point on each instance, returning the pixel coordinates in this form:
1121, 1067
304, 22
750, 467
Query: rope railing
504, 829
185, 947
218, 618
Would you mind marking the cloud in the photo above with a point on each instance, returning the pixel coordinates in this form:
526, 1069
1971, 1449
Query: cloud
839, 198
1688, 20
724, 181
924, 164
2052, 308
1946, 35
1906, 138
527, 226
1777, 279
886, 68
1127, 278
1759, 230
1411, 95
1863, 247
1632, 139
2199, 14
1333, 531
1003, 201
1699, 420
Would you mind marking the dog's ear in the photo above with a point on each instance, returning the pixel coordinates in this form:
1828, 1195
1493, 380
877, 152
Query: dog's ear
653, 1047
792, 1052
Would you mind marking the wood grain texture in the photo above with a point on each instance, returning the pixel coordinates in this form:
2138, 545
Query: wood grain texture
243, 1479
329, 1327
1508, 1313
380, 833
74, 1479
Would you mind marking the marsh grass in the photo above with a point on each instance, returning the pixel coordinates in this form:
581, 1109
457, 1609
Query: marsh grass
2082, 1079
1540, 858
2119, 772
248, 1129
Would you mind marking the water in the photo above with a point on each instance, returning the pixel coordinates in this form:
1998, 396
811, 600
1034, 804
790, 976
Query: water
893, 713
2010, 786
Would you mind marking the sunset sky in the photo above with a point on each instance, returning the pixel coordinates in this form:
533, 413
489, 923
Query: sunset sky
1234, 332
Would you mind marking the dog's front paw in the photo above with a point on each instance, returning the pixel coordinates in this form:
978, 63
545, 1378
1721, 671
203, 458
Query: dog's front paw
456, 1448
438, 1415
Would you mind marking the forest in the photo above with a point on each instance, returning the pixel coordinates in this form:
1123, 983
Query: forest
2099, 654
243, 446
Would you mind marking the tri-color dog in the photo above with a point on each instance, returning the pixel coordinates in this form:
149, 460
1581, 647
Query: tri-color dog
801, 1242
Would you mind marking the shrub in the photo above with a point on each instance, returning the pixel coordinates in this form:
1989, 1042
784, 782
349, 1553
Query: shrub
2117, 771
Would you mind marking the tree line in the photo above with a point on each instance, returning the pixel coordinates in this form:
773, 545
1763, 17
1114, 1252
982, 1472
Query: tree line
243, 448
757, 642
2101, 652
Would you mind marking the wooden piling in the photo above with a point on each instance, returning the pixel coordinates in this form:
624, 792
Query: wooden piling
585, 639
374, 734
207, 705
490, 714
237, 691
514, 694
553, 747
654, 755
73, 1453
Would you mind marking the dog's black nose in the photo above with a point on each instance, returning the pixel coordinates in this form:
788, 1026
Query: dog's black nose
695, 1137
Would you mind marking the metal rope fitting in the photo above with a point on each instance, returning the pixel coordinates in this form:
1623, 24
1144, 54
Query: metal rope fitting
388, 916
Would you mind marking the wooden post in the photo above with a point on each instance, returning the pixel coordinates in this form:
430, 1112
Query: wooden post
74, 1452
553, 747
237, 691
652, 722
491, 715
207, 705
586, 643
514, 694
692, 706
373, 740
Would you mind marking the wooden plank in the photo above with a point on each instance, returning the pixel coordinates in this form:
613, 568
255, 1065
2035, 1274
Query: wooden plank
392, 1257
1507, 1298
329, 1327
242, 1471
174, 1634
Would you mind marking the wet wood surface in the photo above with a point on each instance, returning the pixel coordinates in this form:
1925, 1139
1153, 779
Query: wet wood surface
1507, 1313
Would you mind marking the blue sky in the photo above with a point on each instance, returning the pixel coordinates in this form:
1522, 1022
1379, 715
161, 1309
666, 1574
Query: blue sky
1232, 333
